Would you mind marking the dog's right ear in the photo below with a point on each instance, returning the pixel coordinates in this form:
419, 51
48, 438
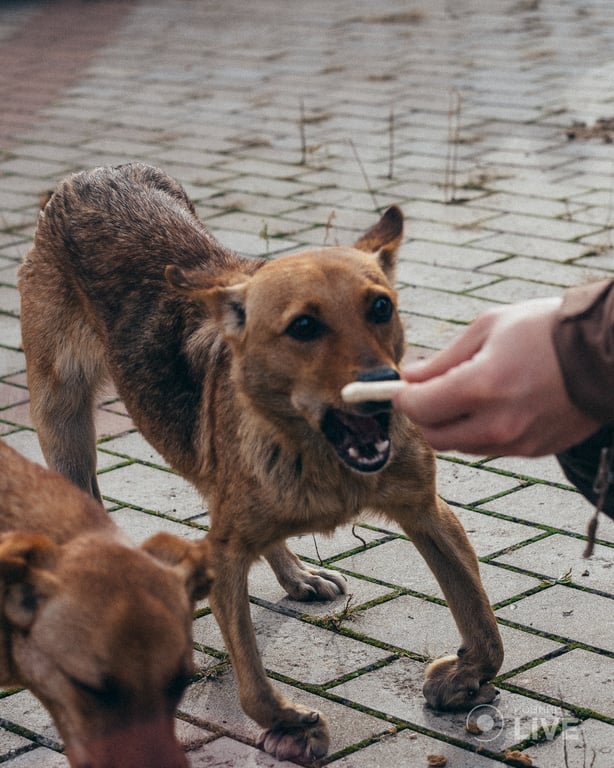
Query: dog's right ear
27, 562
223, 297
192, 559
384, 239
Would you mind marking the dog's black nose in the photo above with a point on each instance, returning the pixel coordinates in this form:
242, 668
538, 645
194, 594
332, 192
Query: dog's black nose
385, 373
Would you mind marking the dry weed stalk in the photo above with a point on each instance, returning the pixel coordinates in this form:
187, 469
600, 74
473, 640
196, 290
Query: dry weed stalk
391, 144
451, 171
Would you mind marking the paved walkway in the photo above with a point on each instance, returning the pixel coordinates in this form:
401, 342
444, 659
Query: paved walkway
289, 123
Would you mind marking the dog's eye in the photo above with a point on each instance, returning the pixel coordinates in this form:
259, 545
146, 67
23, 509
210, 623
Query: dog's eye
306, 328
108, 693
381, 310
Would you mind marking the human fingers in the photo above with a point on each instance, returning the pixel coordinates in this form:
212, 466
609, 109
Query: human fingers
500, 432
442, 399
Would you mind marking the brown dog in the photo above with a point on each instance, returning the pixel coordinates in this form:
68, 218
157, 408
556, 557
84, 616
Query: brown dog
97, 629
232, 368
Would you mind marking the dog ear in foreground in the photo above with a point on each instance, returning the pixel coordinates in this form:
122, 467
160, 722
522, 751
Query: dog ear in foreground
98, 629
233, 368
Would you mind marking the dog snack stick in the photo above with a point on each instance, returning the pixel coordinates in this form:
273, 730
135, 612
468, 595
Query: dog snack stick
359, 391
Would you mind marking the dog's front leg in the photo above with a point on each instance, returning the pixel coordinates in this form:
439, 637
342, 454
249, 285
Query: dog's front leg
300, 581
291, 732
459, 681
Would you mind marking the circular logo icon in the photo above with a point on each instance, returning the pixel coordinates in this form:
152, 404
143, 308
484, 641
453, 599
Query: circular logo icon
485, 722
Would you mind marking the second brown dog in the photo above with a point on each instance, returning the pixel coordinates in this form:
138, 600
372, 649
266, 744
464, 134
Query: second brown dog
232, 368
98, 629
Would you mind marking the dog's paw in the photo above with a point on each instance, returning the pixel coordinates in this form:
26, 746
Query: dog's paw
305, 742
315, 584
450, 684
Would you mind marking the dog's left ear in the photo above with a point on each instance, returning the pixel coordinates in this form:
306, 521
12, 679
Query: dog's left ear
224, 298
191, 559
27, 563
383, 240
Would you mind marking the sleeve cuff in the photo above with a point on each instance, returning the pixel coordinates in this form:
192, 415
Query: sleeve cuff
584, 342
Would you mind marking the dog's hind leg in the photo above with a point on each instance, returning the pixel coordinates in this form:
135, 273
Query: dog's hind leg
299, 580
459, 681
64, 369
67, 435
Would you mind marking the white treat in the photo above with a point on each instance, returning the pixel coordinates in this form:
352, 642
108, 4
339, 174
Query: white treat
359, 391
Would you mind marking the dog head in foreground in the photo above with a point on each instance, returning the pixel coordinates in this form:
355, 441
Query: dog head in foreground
303, 326
99, 630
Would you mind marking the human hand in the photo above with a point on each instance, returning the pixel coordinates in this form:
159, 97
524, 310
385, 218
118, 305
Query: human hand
498, 388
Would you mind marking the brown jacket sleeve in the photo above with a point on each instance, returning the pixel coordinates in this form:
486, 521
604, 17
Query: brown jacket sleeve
584, 342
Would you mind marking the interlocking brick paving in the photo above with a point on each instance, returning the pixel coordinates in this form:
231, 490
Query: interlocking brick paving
289, 125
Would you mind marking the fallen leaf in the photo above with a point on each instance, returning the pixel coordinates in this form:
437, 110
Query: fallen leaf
515, 757
436, 761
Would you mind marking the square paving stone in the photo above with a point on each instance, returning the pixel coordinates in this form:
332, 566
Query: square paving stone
191, 736
445, 278
559, 556
141, 525
552, 507
578, 678
216, 702
24, 709
589, 744
41, 757
489, 534
25, 441
428, 629
512, 290
135, 446
11, 742
10, 395
430, 332
411, 750
398, 562
322, 546
543, 468
225, 752
157, 489
541, 270
18, 415
293, 648
567, 612
506, 722
10, 329
111, 421
539, 226
448, 306
463, 484
397, 690
11, 361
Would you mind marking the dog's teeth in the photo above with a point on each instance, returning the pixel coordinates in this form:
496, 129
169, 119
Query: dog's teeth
382, 445
354, 453
359, 391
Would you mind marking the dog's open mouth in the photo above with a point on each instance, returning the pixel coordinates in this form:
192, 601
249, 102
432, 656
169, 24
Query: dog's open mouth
362, 442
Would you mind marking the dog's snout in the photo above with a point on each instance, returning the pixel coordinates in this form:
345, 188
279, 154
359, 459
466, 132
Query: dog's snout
384, 373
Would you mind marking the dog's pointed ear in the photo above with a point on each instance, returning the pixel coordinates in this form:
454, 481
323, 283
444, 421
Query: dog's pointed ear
223, 297
192, 560
383, 240
27, 563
